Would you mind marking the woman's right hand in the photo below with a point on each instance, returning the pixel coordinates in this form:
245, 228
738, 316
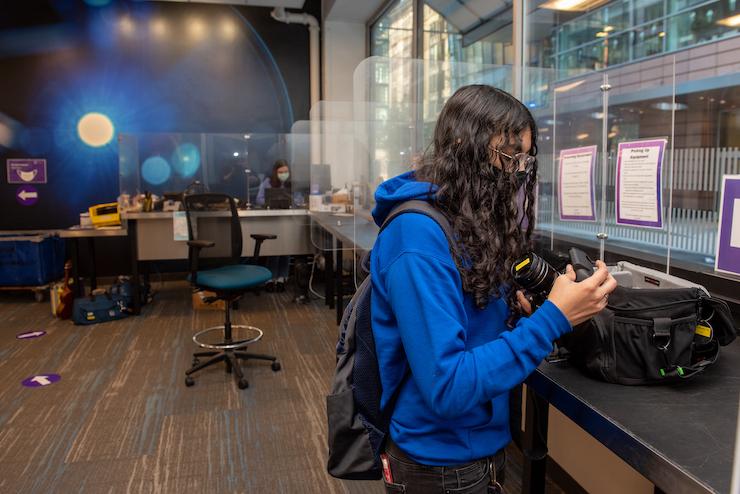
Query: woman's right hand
580, 301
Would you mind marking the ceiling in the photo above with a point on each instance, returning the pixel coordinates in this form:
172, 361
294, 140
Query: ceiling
467, 15
290, 4
352, 10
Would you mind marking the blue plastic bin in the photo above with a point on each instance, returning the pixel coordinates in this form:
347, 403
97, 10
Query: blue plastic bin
30, 260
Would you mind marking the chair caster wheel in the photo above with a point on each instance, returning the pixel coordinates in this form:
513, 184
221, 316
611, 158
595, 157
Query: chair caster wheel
189, 381
275, 366
196, 361
243, 384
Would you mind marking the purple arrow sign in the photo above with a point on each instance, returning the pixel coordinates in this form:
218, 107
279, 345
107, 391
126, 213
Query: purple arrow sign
41, 380
27, 195
30, 335
26, 171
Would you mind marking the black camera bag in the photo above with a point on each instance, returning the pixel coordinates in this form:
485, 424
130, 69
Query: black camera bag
652, 336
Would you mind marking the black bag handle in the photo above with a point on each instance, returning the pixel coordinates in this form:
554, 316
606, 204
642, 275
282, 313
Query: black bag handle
721, 320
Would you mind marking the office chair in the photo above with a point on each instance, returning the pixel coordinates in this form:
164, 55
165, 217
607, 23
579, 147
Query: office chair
229, 280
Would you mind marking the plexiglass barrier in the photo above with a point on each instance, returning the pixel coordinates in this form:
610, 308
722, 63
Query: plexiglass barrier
612, 174
241, 165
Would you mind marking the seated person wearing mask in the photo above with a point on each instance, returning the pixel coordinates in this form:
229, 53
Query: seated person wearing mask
278, 265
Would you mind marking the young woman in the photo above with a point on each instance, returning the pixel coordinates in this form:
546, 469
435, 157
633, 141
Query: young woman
279, 265
439, 316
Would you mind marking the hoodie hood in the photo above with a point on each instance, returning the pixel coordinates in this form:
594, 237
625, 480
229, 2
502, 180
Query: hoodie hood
399, 189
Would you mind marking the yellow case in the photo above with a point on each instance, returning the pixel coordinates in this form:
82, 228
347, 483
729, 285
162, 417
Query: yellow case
105, 214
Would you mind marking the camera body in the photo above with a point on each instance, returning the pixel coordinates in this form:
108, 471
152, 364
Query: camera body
536, 276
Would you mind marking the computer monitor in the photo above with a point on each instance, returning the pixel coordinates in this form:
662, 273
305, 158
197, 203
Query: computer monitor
278, 198
320, 179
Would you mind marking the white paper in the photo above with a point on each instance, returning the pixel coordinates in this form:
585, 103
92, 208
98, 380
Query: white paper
576, 184
639, 191
180, 226
735, 233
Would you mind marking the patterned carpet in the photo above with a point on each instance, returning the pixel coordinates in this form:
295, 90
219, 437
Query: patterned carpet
122, 420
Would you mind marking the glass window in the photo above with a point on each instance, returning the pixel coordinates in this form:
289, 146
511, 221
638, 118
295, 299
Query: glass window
444, 42
392, 34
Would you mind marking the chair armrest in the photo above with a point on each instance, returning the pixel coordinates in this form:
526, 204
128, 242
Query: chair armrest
201, 244
258, 239
194, 247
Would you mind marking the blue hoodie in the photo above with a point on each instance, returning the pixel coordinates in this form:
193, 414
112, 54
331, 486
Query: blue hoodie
454, 406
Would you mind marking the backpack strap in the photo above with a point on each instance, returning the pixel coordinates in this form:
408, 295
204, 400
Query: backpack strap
425, 208
419, 207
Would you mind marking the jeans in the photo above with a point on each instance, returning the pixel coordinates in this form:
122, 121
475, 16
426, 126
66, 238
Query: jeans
484, 476
279, 266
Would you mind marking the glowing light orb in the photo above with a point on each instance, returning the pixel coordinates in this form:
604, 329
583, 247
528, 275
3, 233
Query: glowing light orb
95, 129
186, 159
155, 170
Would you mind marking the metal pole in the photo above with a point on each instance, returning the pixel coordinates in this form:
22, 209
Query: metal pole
518, 41
555, 158
605, 87
669, 239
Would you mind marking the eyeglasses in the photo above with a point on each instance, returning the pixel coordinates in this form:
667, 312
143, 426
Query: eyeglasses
524, 161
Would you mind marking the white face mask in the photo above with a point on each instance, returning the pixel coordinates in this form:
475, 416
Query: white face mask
283, 177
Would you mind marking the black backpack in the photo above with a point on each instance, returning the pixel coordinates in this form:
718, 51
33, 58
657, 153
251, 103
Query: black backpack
357, 426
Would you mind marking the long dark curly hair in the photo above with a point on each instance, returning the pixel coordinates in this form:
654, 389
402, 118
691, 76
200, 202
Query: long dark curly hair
479, 199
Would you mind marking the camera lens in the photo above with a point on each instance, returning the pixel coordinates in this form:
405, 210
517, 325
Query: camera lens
534, 274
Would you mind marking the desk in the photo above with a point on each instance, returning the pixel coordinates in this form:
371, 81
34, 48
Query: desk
151, 235
358, 233
681, 437
75, 234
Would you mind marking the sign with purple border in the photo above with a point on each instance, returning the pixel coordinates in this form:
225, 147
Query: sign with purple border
27, 195
576, 184
30, 335
26, 171
728, 238
639, 183
41, 380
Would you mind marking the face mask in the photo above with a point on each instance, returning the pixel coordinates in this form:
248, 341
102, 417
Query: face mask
520, 177
283, 177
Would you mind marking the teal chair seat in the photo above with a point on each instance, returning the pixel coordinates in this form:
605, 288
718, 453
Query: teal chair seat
234, 277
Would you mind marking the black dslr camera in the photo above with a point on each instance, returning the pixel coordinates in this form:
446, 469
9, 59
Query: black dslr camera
536, 276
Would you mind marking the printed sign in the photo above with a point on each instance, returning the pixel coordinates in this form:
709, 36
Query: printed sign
639, 183
576, 184
41, 380
26, 171
29, 335
728, 238
27, 195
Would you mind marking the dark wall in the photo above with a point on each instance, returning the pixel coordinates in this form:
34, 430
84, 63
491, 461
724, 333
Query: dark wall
148, 67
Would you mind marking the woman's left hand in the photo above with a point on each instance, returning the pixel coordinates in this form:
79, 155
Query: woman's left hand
524, 303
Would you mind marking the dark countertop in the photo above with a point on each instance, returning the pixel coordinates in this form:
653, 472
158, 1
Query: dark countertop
681, 437
355, 231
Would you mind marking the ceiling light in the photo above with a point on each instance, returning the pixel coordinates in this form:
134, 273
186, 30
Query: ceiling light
733, 21
196, 28
602, 34
126, 25
568, 87
571, 5
665, 106
581, 137
661, 34
611, 135
543, 130
236, 154
608, 29
158, 27
722, 102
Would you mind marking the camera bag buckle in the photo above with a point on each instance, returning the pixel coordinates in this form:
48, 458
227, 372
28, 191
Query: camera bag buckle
661, 333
